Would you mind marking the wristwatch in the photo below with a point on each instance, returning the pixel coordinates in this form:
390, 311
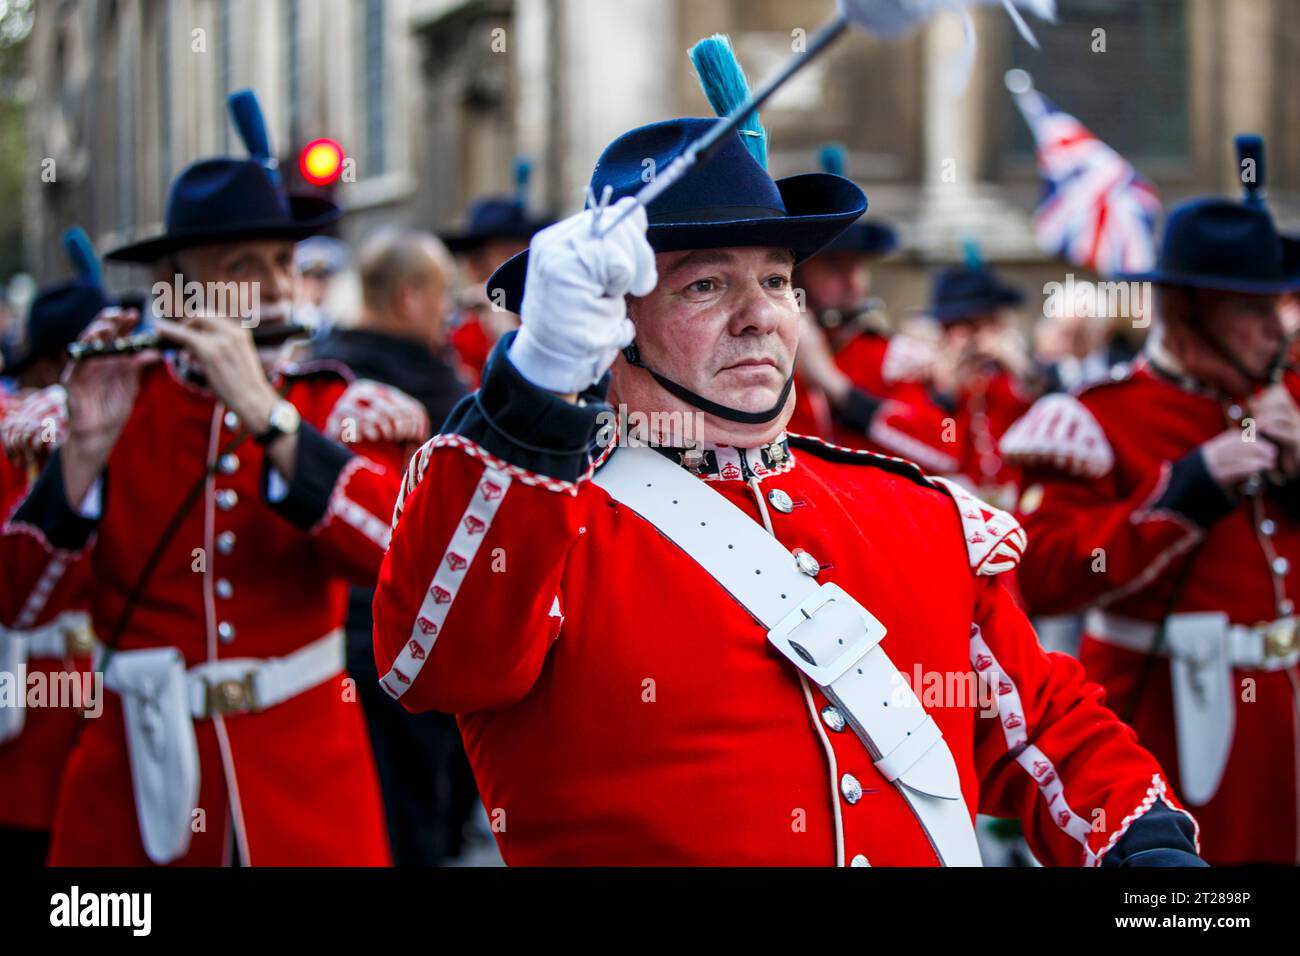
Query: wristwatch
283, 420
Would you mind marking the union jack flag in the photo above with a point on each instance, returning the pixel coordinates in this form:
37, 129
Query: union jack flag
1096, 211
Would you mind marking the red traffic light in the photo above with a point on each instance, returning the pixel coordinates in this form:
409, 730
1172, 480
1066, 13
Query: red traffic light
321, 161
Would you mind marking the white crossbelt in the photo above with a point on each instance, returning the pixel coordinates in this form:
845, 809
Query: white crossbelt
68, 635
243, 685
1268, 647
821, 629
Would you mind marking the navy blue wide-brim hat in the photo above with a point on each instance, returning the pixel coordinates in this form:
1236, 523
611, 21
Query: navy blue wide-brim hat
961, 292
228, 200
727, 200
865, 238
56, 317
493, 217
1224, 245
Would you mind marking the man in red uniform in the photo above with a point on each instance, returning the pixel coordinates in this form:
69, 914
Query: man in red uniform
595, 623
222, 512
35, 741
496, 228
979, 374
1165, 502
859, 385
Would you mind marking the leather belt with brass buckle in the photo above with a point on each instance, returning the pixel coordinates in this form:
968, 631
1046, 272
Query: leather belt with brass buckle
80, 640
1281, 638
232, 696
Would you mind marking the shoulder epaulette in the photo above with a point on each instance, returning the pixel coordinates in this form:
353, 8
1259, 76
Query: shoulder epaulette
1060, 432
371, 411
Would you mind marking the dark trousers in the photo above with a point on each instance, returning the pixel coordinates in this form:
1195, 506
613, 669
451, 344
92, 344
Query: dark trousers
424, 776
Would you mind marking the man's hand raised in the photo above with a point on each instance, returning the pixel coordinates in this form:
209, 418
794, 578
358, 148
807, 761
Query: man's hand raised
574, 316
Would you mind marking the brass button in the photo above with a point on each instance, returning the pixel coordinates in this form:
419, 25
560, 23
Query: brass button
227, 499
226, 542
226, 631
780, 501
230, 420
224, 589
859, 860
229, 464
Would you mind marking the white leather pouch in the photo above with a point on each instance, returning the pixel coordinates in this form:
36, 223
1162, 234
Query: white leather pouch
1205, 710
13, 684
162, 746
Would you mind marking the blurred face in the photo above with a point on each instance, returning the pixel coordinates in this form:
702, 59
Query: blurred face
422, 307
1248, 326
835, 280
725, 324
312, 287
265, 265
483, 261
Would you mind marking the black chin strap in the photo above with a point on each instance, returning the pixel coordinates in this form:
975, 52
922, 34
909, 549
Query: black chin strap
1272, 375
1219, 347
633, 357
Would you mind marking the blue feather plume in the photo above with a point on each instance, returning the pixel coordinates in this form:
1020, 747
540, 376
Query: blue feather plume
831, 157
971, 255
246, 114
724, 83
81, 253
1250, 147
523, 173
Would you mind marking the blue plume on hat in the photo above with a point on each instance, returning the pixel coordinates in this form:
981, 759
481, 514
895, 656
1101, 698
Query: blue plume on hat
246, 114
971, 255
724, 83
1250, 148
523, 173
831, 156
81, 253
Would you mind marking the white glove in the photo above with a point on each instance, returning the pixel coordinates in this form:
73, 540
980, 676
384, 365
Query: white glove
574, 317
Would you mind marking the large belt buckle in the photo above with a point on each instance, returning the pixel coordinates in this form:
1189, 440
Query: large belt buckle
1280, 638
233, 696
79, 640
823, 641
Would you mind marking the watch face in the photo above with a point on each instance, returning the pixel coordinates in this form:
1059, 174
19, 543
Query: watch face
285, 418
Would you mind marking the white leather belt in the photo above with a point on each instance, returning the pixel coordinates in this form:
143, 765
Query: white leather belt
244, 685
68, 635
1264, 647
821, 629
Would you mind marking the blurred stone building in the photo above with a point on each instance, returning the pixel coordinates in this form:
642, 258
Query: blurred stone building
433, 99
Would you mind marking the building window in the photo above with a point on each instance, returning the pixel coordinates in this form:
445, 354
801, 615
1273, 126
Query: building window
124, 212
224, 69
293, 68
375, 101
1133, 94
165, 96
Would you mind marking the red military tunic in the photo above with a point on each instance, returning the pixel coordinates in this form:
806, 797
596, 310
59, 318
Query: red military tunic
618, 707
1112, 476
242, 578
891, 413
32, 762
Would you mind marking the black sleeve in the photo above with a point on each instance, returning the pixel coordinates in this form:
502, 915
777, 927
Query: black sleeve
1193, 493
1160, 837
858, 411
528, 426
46, 507
316, 468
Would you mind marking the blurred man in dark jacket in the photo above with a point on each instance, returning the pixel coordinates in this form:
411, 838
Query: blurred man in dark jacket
401, 340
